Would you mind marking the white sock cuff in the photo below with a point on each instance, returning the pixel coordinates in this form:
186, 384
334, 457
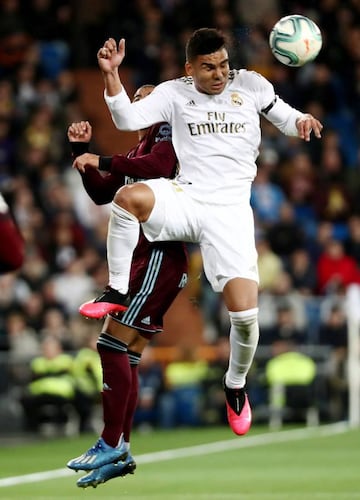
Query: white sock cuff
242, 315
122, 213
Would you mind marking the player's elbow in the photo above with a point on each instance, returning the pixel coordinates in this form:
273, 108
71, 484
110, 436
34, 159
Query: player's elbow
125, 123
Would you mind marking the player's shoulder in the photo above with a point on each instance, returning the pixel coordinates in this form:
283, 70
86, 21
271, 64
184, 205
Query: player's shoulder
248, 78
176, 84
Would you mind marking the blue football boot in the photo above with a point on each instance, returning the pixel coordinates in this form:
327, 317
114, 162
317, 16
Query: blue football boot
97, 456
107, 472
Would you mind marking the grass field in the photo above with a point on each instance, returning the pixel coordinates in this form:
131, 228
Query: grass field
198, 464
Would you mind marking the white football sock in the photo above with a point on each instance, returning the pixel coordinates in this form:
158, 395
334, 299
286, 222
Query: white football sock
244, 338
122, 238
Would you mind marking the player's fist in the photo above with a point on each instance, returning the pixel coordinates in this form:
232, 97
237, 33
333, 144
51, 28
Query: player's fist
79, 132
111, 55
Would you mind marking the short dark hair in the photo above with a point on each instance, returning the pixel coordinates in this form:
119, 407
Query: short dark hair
204, 41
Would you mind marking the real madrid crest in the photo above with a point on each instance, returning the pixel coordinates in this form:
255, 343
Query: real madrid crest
236, 100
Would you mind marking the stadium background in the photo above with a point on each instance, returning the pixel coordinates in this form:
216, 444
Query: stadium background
305, 197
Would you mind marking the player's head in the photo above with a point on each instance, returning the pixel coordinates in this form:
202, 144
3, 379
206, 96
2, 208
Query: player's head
140, 93
207, 60
143, 91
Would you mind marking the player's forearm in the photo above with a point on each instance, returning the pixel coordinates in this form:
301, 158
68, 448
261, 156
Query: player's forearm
100, 189
284, 117
138, 115
121, 111
112, 82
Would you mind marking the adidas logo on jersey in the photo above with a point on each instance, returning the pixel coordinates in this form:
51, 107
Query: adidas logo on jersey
146, 320
191, 103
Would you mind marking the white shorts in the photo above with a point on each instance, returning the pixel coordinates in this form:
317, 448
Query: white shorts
225, 233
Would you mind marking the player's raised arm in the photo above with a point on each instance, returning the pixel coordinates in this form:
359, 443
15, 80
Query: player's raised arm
110, 57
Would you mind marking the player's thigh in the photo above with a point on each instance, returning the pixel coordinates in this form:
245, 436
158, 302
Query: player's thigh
154, 287
124, 333
129, 335
139, 343
175, 215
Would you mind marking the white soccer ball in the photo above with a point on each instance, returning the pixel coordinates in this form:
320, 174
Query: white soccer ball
295, 40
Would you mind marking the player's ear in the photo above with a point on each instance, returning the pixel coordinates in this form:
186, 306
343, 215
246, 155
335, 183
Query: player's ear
188, 68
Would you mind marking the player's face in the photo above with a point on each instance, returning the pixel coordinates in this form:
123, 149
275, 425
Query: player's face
142, 92
210, 72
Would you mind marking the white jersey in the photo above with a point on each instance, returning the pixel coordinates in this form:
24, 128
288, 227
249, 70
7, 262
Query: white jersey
216, 137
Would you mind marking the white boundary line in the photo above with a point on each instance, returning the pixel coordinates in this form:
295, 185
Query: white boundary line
202, 449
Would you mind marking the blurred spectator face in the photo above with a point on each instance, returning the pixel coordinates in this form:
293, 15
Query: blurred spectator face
335, 249
354, 227
283, 284
51, 347
336, 317
300, 259
325, 232
15, 323
54, 319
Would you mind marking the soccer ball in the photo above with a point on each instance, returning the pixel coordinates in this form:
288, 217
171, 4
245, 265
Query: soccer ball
295, 40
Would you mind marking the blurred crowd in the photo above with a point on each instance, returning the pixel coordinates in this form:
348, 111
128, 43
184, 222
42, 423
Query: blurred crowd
305, 196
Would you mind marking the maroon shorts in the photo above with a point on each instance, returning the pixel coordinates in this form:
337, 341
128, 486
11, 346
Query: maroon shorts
157, 276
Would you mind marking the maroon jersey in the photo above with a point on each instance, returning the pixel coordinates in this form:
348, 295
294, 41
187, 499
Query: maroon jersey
12, 244
159, 270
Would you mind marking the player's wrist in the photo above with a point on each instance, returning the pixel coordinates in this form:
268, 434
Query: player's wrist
79, 148
105, 163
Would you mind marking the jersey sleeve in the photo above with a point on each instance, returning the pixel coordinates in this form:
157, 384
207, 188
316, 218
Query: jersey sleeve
261, 88
156, 107
272, 107
283, 116
101, 188
159, 162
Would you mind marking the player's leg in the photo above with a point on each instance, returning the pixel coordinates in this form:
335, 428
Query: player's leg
128, 464
135, 351
244, 337
157, 286
132, 204
170, 216
230, 264
117, 379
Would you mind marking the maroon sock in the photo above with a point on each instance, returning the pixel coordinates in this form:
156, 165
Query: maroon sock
116, 386
134, 359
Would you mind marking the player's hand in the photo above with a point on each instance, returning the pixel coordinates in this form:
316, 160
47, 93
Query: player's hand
79, 132
86, 160
110, 56
306, 124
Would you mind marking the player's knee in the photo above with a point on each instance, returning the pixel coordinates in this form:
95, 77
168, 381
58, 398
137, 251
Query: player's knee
137, 199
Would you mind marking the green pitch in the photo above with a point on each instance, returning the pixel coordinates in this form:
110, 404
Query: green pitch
198, 464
